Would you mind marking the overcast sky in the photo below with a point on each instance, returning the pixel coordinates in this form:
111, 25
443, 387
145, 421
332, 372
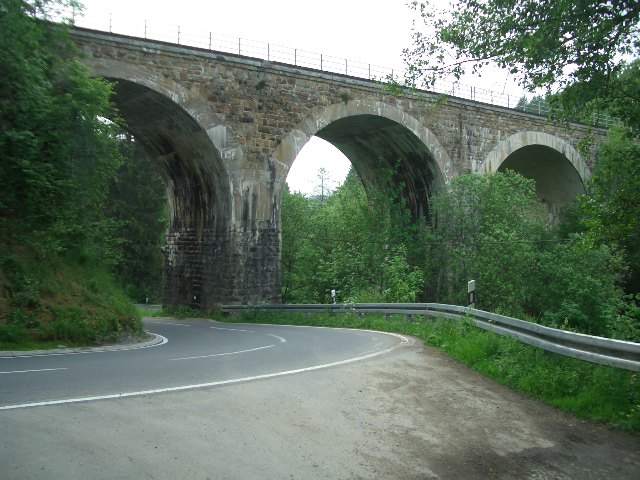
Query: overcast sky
364, 30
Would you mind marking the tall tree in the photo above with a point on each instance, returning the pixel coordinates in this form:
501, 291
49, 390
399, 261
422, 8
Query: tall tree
612, 206
583, 54
58, 153
491, 228
58, 156
354, 243
547, 45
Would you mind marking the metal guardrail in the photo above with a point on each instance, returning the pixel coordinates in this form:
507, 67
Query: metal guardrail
224, 43
605, 351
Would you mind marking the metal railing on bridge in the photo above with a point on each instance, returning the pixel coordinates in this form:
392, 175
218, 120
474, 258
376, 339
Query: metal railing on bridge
224, 43
605, 351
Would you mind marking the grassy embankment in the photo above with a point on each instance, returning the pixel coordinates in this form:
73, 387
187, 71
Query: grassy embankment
46, 302
590, 391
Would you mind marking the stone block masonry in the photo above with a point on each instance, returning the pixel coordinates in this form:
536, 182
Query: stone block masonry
225, 130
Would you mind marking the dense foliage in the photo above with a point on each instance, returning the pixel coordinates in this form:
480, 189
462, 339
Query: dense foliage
59, 155
612, 207
137, 207
583, 57
349, 243
489, 228
544, 43
58, 152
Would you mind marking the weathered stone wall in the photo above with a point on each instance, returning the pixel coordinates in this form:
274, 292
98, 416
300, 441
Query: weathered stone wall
255, 117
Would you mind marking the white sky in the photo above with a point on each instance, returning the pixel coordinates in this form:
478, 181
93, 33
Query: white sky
364, 30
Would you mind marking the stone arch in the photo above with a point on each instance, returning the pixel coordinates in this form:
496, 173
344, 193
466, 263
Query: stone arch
368, 131
179, 131
506, 147
558, 169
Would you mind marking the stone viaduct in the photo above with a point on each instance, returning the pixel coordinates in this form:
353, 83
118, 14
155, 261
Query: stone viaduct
225, 130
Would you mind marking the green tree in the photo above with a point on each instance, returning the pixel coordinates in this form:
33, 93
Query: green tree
59, 155
324, 188
486, 229
612, 206
354, 242
298, 255
581, 54
546, 45
137, 206
58, 152
537, 104
491, 228
624, 100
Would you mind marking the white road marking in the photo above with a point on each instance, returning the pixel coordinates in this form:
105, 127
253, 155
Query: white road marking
40, 370
169, 323
223, 354
404, 341
94, 350
282, 340
233, 329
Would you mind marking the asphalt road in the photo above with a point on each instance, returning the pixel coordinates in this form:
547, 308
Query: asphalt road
194, 354
270, 402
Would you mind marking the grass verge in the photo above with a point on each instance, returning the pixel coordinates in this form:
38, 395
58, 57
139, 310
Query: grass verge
590, 391
48, 302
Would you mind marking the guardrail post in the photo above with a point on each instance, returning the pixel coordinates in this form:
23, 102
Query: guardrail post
178, 34
209, 40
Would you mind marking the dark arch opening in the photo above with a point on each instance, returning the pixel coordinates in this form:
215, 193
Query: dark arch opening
197, 188
557, 181
365, 245
386, 154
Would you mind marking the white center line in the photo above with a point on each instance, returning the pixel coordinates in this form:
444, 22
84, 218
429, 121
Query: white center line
223, 354
40, 370
403, 341
169, 323
282, 340
233, 329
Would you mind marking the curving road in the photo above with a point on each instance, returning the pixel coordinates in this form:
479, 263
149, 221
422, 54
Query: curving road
221, 401
191, 355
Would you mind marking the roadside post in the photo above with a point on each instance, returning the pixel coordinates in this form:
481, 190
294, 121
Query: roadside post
471, 289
